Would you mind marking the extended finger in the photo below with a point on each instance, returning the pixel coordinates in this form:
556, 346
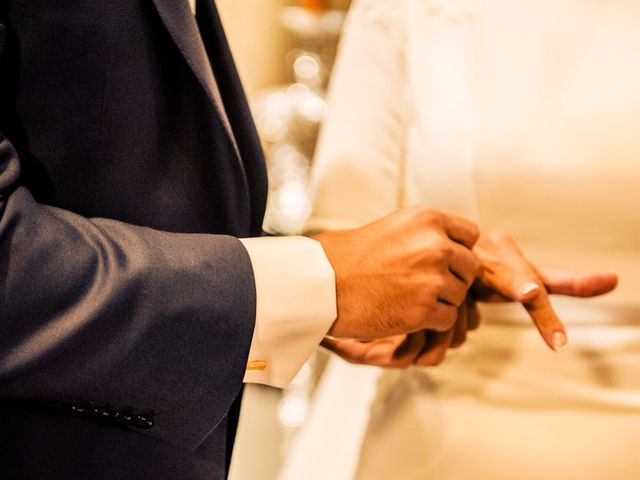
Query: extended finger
506, 270
518, 281
546, 320
577, 284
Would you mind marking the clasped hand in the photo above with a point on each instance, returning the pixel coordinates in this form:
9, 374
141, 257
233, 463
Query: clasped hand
408, 286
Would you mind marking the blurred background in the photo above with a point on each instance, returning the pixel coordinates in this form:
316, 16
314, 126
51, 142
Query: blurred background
284, 50
259, 40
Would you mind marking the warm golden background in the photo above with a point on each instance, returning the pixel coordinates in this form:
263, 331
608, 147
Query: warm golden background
260, 45
257, 40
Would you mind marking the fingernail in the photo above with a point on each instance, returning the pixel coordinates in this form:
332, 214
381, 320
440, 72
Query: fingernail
528, 288
559, 340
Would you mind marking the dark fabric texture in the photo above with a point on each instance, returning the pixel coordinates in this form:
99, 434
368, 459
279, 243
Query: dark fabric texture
127, 304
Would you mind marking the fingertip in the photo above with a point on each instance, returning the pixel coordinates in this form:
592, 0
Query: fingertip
330, 343
559, 340
595, 284
551, 328
581, 284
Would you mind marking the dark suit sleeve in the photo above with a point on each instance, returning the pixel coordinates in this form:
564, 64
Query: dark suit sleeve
94, 310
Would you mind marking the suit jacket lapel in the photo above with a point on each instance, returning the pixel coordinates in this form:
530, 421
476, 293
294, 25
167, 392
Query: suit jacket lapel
181, 24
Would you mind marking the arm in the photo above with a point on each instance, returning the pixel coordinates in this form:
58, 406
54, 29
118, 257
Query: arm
98, 311
95, 310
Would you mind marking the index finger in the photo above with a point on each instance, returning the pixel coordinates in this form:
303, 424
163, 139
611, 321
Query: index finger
546, 320
461, 230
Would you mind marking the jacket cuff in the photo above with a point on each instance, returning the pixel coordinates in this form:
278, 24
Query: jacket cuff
295, 306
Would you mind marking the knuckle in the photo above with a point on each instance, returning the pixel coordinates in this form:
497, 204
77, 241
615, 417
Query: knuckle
449, 317
446, 250
440, 250
438, 256
439, 326
457, 298
499, 237
433, 216
415, 210
469, 257
445, 321
439, 284
475, 232
460, 292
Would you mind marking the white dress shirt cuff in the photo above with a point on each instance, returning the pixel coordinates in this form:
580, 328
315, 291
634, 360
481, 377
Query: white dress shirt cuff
295, 306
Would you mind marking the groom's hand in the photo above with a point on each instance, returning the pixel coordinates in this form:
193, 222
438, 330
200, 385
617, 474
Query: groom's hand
404, 273
423, 348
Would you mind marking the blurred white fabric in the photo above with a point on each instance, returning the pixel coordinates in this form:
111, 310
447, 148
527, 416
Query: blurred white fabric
525, 115
340, 413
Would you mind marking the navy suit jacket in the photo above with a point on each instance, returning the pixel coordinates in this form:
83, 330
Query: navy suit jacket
129, 165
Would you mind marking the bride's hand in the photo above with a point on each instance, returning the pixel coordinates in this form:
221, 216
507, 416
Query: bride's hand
506, 275
424, 348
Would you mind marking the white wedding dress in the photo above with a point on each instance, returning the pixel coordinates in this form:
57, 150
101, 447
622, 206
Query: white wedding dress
524, 114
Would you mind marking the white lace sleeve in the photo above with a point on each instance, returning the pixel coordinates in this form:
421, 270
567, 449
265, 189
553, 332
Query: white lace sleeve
383, 13
358, 168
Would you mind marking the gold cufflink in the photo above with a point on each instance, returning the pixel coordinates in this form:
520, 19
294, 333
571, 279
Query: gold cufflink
256, 365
